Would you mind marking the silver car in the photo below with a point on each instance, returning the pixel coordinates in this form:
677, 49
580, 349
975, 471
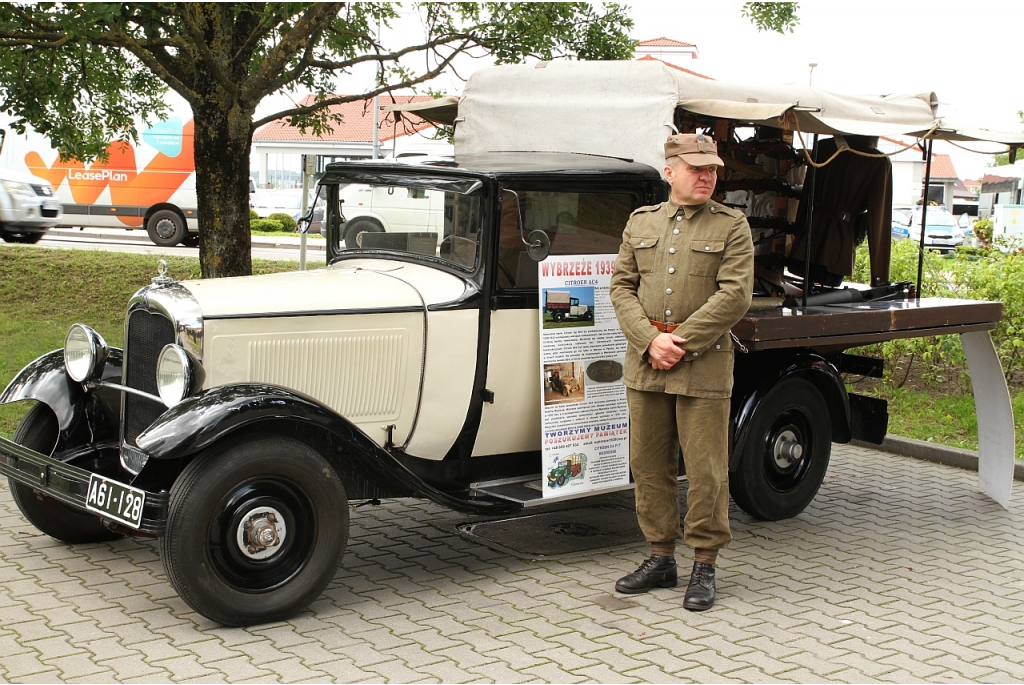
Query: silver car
28, 207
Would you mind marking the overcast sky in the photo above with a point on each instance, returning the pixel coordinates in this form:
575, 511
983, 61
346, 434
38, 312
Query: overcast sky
968, 53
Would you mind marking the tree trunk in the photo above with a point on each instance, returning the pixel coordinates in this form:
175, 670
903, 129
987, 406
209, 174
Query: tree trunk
222, 144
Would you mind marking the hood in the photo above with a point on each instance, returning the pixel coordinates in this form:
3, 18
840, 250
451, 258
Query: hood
23, 177
349, 286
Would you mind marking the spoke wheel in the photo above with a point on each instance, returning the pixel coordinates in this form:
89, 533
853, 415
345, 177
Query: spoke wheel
38, 431
255, 530
785, 454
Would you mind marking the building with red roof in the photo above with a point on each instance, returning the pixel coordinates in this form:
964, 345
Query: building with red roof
665, 49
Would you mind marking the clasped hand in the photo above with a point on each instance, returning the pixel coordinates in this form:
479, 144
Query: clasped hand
665, 351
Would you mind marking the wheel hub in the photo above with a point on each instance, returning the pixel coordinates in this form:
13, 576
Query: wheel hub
787, 449
261, 533
165, 228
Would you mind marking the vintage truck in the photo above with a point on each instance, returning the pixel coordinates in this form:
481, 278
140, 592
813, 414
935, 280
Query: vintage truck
564, 307
244, 414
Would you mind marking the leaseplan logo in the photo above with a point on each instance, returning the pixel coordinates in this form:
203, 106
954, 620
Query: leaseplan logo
161, 178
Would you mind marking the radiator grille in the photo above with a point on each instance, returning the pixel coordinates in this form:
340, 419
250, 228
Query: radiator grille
147, 335
359, 376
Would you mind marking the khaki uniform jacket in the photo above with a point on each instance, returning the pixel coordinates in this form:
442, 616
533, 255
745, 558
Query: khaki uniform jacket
688, 265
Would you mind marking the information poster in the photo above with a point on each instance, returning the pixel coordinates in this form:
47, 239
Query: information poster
585, 419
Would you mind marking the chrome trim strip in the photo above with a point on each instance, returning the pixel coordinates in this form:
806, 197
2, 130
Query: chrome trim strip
125, 388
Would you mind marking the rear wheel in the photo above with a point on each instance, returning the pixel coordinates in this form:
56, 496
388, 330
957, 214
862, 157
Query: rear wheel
356, 228
38, 431
785, 454
166, 228
255, 530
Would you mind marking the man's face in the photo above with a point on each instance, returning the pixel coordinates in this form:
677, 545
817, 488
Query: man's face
691, 185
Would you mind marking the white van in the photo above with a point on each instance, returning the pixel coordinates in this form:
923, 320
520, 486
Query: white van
150, 185
372, 209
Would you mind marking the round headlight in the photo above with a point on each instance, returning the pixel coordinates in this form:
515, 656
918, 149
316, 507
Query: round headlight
173, 374
85, 353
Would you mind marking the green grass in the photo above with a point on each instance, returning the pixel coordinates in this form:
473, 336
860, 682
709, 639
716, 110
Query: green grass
43, 292
944, 419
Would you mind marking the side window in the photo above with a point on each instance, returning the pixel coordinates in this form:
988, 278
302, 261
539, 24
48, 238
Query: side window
576, 223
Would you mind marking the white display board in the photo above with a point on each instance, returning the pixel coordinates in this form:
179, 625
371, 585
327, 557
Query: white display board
585, 420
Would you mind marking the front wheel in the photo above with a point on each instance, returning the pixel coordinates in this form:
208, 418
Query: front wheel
24, 237
38, 431
355, 230
255, 530
785, 454
166, 228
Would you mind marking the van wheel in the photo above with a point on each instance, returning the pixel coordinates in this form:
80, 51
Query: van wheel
38, 431
357, 227
166, 228
24, 238
785, 454
255, 530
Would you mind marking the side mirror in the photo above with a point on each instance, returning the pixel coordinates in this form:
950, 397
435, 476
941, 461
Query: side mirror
964, 221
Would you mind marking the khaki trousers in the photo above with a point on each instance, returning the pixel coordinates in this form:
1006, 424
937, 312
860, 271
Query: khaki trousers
661, 424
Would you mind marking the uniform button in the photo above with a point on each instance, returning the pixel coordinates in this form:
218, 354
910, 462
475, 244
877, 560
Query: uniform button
679, 218
671, 269
707, 248
718, 347
712, 211
671, 250
642, 244
675, 232
668, 291
696, 354
668, 312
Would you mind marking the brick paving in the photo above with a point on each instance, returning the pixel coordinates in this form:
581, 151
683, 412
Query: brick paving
898, 571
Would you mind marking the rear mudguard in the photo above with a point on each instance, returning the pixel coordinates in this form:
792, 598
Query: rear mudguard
81, 416
772, 368
201, 421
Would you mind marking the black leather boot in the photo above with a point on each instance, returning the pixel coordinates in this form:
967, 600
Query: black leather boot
700, 593
658, 571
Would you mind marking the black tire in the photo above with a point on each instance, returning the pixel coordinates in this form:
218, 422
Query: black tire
560, 480
357, 227
166, 228
191, 240
228, 488
558, 317
38, 431
25, 238
774, 481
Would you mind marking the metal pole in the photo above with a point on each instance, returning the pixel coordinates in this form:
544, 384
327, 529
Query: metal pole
924, 213
305, 208
813, 172
376, 127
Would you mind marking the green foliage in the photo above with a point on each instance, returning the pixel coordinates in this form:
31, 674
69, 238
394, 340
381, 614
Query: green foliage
772, 16
1004, 158
287, 223
983, 229
268, 225
253, 215
973, 274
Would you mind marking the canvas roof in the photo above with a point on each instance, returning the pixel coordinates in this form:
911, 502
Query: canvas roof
626, 109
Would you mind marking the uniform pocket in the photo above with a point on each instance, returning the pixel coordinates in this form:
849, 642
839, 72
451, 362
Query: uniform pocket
644, 252
705, 256
712, 371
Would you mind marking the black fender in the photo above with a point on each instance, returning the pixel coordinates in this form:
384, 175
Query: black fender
82, 415
774, 367
203, 420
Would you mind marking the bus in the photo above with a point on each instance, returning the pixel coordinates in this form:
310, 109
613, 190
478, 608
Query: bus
150, 185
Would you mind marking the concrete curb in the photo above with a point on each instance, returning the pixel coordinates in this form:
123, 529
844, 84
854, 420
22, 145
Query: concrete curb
929, 451
139, 235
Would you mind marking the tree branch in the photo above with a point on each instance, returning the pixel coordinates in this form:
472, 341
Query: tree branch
191, 23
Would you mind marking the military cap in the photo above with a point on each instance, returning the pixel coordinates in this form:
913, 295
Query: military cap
696, 149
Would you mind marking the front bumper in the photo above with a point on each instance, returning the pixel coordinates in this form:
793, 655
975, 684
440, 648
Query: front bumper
69, 484
31, 213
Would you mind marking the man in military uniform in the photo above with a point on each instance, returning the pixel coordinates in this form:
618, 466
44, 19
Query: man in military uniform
682, 279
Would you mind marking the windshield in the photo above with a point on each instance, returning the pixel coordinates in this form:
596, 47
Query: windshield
936, 217
430, 217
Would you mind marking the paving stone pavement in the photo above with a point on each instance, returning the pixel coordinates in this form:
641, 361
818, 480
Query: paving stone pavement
899, 571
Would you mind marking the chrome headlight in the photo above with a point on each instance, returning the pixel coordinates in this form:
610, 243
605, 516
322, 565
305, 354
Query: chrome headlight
85, 353
175, 374
17, 187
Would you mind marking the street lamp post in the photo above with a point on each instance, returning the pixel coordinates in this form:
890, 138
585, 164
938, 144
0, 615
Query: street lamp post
810, 76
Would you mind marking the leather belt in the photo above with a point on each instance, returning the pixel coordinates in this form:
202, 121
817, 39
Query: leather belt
664, 327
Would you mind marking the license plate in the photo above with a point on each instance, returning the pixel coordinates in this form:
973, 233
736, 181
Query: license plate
114, 500
51, 204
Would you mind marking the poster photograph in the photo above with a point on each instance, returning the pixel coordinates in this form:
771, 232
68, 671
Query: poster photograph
585, 420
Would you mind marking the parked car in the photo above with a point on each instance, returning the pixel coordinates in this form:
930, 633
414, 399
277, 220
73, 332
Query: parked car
28, 207
272, 201
942, 233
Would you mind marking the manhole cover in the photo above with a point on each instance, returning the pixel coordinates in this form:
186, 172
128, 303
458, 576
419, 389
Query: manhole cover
566, 531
